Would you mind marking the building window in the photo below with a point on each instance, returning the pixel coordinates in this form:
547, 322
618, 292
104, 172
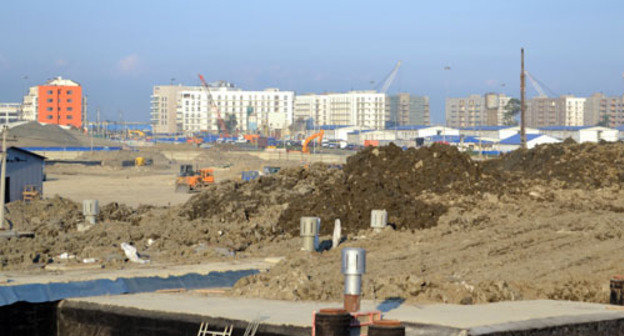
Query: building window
49, 109
70, 117
49, 91
70, 109
69, 100
50, 100
49, 117
69, 92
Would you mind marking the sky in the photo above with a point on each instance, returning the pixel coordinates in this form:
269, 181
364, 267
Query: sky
117, 50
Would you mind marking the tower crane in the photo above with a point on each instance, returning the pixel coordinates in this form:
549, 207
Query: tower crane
220, 123
536, 85
390, 78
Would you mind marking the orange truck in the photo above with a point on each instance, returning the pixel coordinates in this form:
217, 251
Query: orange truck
189, 180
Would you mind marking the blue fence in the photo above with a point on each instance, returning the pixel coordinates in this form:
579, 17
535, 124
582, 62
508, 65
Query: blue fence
71, 149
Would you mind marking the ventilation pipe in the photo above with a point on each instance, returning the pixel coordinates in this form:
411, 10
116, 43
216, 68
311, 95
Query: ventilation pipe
310, 227
353, 267
90, 210
379, 219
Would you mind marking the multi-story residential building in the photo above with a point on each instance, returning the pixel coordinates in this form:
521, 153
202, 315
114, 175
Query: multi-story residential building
406, 109
29, 104
59, 101
354, 108
465, 111
604, 110
268, 110
164, 107
10, 112
560, 111
495, 108
476, 110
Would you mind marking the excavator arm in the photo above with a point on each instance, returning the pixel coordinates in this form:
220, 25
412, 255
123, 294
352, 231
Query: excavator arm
307, 141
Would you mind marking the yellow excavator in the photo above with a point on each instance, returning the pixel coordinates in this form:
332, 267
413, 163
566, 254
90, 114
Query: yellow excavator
319, 139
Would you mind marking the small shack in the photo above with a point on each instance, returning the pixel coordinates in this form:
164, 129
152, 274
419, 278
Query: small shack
22, 168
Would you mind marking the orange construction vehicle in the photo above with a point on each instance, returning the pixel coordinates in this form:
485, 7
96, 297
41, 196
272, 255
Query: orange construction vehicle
318, 136
189, 180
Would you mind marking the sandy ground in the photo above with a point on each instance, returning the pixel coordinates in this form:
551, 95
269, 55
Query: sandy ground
116, 186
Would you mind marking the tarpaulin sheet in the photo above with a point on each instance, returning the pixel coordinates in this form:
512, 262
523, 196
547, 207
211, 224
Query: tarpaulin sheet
61, 290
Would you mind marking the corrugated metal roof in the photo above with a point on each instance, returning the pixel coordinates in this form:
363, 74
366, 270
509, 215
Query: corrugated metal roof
457, 139
408, 127
485, 128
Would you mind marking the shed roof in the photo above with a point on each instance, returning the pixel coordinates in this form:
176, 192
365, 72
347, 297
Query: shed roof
27, 152
515, 139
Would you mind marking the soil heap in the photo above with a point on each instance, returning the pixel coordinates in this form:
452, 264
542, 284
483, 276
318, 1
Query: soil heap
591, 165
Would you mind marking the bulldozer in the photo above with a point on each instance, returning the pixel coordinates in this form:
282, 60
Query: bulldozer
190, 180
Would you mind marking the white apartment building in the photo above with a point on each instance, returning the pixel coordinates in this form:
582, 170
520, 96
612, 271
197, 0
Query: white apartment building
10, 112
267, 110
354, 108
29, 104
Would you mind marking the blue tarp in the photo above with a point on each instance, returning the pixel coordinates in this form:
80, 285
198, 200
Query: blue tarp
63, 290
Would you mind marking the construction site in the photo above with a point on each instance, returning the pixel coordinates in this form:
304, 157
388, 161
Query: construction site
538, 224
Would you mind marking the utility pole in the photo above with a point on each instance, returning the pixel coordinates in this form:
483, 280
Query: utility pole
523, 141
3, 174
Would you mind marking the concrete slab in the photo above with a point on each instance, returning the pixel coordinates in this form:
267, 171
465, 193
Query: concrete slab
437, 319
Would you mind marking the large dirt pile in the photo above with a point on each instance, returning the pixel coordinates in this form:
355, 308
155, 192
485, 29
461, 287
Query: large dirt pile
591, 165
380, 178
390, 178
31, 134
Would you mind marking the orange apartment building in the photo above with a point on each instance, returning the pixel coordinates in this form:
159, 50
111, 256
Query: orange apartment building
59, 102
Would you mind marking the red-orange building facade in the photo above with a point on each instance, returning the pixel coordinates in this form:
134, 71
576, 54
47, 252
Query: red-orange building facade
60, 105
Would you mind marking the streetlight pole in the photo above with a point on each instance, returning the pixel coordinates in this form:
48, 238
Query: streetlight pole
3, 174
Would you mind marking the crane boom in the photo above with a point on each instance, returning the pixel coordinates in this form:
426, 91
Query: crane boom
220, 123
536, 85
390, 78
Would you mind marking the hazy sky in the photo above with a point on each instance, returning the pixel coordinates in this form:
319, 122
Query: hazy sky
118, 49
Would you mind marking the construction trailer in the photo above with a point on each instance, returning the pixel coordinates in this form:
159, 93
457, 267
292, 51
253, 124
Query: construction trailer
23, 169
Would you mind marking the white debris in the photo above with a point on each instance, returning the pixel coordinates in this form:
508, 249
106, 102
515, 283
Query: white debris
66, 256
337, 233
88, 260
131, 253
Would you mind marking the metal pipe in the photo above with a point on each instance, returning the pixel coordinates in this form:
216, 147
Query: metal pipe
353, 267
309, 230
379, 219
90, 210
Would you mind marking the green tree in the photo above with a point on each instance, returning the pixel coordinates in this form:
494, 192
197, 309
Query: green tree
604, 121
512, 109
231, 123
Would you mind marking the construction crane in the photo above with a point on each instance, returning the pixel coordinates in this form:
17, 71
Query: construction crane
390, 78
536, 85
220, 123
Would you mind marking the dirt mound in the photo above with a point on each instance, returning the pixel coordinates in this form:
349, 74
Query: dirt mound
438, 168
592, 165
389, 178
34, 134
115, 158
